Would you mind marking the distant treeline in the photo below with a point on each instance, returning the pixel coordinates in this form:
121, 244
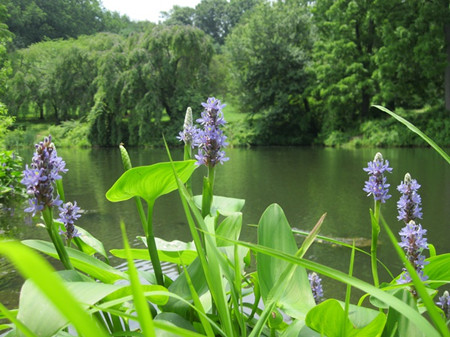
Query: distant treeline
301, 71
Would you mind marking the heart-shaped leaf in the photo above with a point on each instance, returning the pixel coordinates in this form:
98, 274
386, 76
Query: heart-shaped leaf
150, 182
177, 252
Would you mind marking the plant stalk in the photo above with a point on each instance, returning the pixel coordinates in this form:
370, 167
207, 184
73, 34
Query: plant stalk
47, 214
151, 246
374, 245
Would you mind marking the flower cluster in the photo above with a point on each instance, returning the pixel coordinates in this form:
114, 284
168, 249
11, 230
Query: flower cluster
376, 185
210, 140
413, 243
444, 304
39, 178
316, 286
68, 214
409, 204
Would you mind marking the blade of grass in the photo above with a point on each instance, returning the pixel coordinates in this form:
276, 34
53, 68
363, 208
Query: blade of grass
143, 312
414, 129
33, 266
19, 325
208, 329
418, 284
349, 288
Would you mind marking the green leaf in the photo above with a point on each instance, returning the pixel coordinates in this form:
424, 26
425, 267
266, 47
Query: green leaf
12, 317
149, 182
38, 313
32, 266
414, 129
140, 302
438, 269
329, 319
299, 329
229, 228
177, 252
88, 243
275, 232
86, 263
397, 325
224, 205
172, 319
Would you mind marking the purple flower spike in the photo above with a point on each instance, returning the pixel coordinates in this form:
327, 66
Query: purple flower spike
376, 185
409, 204
211, 140
39, 178
68, 214
444, 304
190, 132
316, 286
413, 243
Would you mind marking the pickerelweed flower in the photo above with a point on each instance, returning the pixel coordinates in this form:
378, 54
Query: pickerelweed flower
413, 243
444, 304
68, 214
316, 286
409, 204
376, 185
190, 132
211, 140
39, 178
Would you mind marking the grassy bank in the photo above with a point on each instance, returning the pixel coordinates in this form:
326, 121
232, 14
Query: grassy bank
241, 131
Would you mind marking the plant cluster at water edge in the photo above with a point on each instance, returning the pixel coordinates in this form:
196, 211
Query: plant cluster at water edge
218, 291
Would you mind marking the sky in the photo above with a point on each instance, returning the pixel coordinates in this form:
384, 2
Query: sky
140, 10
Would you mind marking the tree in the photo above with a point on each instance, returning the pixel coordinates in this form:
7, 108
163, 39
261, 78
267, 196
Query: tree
179, 16
343, 61
215, 17
411, 59
211, 17
269, 52
153, 76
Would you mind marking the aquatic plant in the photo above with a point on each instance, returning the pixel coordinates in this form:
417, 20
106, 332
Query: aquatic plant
218, 292
378, 187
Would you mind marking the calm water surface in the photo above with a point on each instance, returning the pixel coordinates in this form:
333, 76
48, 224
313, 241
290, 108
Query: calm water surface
305, 182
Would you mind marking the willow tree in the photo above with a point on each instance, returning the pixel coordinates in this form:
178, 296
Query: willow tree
146, 83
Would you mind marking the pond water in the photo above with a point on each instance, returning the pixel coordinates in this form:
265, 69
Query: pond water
305, 182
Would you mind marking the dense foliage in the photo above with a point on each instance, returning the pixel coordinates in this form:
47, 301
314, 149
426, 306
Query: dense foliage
298, 72
33, 21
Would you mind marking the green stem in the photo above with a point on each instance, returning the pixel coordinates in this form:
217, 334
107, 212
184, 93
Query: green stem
141, 212
151, 246
374, 245
348, 291
208, 188
47, 214
187, 156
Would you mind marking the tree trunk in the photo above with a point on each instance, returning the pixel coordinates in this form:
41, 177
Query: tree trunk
41, 111
447, 68
365, 105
